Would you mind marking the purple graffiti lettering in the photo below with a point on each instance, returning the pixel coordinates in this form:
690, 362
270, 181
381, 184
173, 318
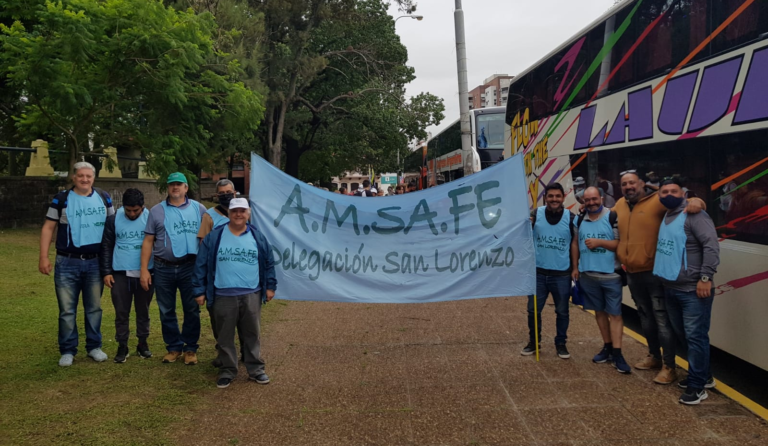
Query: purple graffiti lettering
676, 103
600, 137
570, 59
715, 92
584, 130
639, 121
754, 98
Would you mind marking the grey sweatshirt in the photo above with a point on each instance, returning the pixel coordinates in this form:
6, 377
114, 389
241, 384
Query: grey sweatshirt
701, 245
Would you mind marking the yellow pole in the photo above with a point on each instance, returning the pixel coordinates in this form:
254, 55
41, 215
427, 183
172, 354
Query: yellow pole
536, 325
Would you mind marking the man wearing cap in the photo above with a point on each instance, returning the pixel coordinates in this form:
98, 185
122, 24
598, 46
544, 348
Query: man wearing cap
120, 264
170, 239
77, 218
235, 274
578, 189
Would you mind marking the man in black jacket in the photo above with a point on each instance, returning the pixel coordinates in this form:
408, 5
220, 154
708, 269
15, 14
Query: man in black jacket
120, 265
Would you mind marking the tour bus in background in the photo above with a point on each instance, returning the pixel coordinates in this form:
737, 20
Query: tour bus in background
441, 159
665, 87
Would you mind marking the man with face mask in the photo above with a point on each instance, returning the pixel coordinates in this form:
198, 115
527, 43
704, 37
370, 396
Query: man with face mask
171, 241
556, 249
120, 265
687, 256
640, 215
218, 215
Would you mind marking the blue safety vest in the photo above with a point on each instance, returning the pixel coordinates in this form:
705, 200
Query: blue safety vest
217, 218
181, 228
552, 242
129, 235
237, 261
86, 217
670, 249
598, 260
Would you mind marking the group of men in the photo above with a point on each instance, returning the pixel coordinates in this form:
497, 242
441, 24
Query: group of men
211, 257
660, 244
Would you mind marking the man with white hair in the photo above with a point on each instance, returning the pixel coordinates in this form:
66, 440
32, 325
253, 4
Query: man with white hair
77, 217
235, 275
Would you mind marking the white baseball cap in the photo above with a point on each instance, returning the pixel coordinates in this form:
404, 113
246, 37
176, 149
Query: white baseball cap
238, 203
578, 181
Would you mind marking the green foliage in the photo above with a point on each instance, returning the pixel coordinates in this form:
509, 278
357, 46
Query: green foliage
130, 73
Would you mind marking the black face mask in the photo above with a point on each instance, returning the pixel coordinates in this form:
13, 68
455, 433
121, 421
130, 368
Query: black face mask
671, 202
224, 199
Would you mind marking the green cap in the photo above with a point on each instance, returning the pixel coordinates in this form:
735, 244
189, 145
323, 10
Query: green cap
177, 177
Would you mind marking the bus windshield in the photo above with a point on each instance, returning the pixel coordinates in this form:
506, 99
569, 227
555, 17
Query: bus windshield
490, 131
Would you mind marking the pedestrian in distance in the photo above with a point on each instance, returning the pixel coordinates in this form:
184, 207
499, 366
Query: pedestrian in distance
640, 215
235, 276
556, 244
77, 216
598, 240
120, 265
170, 239
218, 215
687, 256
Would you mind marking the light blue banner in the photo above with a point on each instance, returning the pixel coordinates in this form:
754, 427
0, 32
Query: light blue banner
467, 239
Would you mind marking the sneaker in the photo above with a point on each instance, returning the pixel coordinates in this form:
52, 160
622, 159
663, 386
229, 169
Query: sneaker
603, 356
710, 384
122, 354
562, 352
667, 375
66, 360
97, 355
143, 350
693, 397
529, 349
223, 383
648, 363
260, 378
171, 357
621, 364
190, 358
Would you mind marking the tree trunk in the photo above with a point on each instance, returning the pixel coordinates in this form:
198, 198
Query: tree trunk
73, 151
292, 155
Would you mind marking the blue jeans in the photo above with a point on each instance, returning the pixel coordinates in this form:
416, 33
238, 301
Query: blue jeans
690, 316
560, 287
167, 279
72, 277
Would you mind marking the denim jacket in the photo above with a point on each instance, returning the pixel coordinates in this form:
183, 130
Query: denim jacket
204, 275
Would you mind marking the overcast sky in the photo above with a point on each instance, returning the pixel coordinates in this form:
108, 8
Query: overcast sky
503, 36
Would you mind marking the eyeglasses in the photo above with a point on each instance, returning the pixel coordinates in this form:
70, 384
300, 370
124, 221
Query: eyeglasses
621, 174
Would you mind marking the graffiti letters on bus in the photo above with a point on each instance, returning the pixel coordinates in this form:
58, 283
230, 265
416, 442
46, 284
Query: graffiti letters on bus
523, 130
712, 101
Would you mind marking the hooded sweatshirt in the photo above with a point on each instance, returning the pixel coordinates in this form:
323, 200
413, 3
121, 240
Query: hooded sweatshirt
639, 232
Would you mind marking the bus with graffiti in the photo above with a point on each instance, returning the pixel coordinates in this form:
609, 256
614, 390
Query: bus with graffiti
665, 87
442, 160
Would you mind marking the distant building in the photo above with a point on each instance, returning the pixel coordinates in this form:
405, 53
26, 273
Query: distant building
492, 93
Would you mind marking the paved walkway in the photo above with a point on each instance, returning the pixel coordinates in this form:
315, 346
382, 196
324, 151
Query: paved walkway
451, 374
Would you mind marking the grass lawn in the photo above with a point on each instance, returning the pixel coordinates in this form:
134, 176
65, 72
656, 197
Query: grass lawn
139, 402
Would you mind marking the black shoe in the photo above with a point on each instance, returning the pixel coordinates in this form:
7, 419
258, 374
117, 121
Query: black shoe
143, 350
223, 383
562, 352
122, 354
710, 384
260, 378
529, 349
692, 397
603, 356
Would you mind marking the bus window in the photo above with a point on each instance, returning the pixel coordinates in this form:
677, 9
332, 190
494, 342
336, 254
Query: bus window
748, 26
490, 133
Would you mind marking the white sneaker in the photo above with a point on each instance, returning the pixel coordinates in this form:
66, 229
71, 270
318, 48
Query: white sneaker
97, 355
66, 360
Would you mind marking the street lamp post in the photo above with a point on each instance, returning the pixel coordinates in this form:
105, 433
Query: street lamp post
418, 18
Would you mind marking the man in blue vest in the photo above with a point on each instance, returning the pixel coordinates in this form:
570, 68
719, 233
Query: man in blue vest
120, 264
598, 240
77, 218
687, 256
235, 274
556, 252
170, 238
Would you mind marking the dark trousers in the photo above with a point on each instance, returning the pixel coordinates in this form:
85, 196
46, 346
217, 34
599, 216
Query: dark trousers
690, 317
648, 294
241, 313
167, 279
560, 288
125, 291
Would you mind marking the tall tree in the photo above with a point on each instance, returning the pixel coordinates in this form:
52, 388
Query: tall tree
126, 71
